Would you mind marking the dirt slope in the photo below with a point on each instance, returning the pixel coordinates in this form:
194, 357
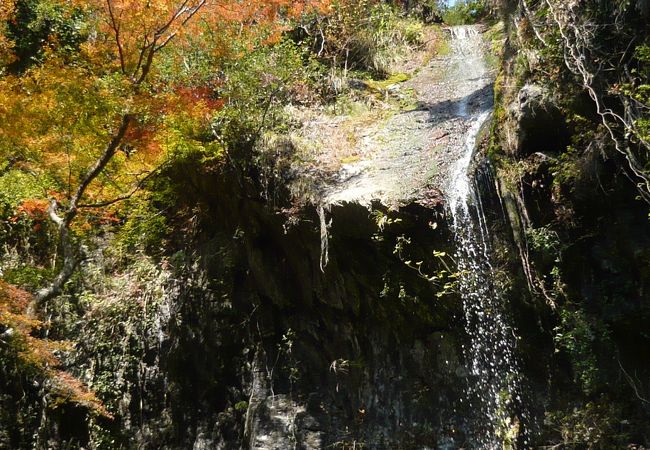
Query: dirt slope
408, 151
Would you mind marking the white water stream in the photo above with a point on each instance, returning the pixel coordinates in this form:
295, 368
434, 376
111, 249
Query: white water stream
396, 158
493, 393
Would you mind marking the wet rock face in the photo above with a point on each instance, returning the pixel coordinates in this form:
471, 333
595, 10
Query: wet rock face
532, 123
260, 349
363, 353
538, 123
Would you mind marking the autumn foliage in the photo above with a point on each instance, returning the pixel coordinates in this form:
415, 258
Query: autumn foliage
35, 356
6, 12
64, 111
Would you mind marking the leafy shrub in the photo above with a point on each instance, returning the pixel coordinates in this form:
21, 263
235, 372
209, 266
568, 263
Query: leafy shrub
145, 227
368, 36
256, 88
596, 425
425, 10
465, 12
29, 356
24, 225
543, 239
39, 22
580, 335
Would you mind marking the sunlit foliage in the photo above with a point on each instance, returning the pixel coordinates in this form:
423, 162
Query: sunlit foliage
65, 110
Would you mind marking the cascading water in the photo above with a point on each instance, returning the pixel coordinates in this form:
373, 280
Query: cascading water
493, 391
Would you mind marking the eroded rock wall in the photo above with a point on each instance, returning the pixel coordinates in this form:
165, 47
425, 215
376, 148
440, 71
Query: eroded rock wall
240, 340
582, 238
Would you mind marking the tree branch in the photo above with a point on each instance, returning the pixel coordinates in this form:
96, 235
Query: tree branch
70, 260
116, 31
63, 221
137, 187
97, 168
632, 384
192, 12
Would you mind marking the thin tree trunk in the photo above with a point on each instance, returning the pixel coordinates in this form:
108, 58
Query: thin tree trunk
62, 222
70, 260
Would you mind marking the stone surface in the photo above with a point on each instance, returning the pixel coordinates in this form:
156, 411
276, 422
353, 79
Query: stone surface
396, 155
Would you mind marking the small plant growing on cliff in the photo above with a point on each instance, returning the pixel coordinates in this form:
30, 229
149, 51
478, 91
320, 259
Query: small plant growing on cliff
579, 335
383, 220
443, 278
543, 239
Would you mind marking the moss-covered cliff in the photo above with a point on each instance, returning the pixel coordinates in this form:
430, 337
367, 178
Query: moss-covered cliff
572, 178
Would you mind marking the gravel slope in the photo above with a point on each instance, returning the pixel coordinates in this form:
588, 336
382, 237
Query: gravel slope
409, 155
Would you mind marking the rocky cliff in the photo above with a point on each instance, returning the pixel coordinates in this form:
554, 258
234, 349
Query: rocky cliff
566, 171
339, 321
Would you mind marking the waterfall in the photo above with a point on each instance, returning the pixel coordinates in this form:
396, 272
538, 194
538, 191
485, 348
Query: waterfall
493, 391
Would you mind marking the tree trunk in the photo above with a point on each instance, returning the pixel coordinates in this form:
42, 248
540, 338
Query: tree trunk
70, 259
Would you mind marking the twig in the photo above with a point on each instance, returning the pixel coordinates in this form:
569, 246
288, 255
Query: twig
630, 381
127, 196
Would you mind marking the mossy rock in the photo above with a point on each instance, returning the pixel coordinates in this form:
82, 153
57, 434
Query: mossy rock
381, 86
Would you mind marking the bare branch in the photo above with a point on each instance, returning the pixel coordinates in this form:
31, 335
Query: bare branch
191, 12
576, 39
143, 51
70, 260
632, 384
116, 30
173, 18
127, 196
97, 168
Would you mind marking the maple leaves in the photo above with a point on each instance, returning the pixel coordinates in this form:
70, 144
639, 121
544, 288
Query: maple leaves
141, 67
6, 12
116, 95
35, 356
95, 120
134, 31
141, 29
